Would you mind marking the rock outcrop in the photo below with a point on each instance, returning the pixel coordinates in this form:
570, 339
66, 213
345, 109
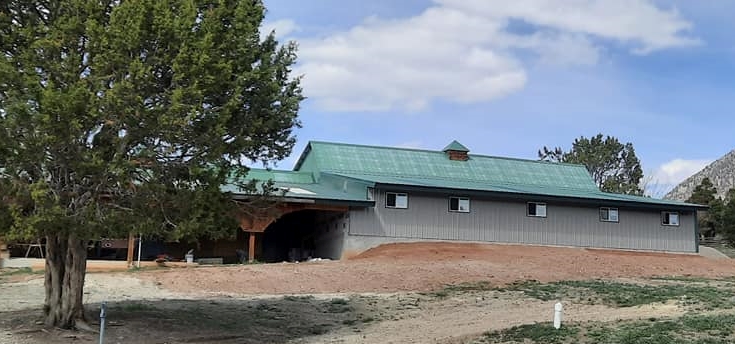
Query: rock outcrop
721, 173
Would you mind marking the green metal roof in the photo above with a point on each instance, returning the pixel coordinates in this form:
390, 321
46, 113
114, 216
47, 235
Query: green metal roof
425, 164
280, 176
425, 168
455, 146
514, 189
301, 185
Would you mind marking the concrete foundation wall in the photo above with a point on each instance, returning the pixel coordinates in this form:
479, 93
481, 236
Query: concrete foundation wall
492, 220
356, 244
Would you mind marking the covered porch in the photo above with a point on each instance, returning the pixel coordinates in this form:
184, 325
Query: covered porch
297, 231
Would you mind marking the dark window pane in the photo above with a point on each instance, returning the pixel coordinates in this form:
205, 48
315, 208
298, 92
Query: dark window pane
532, 209
454, 203
390, 200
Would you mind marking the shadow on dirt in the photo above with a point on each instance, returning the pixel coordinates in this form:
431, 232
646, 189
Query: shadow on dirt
201, 321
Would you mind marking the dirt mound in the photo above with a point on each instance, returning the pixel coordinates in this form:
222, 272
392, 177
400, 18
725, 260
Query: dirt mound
428, 251
426, 266
458, 250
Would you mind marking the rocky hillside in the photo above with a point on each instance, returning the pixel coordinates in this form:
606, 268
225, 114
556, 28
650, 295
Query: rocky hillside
720, 172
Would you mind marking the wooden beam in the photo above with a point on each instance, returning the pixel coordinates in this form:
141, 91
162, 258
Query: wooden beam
131, 249
258, 224
251, 247
291, 207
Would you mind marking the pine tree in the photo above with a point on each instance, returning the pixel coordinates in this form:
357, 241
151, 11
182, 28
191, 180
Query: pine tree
728, 217
705, 194
612, 164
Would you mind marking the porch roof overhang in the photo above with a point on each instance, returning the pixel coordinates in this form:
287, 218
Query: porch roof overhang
314, 201
303, 188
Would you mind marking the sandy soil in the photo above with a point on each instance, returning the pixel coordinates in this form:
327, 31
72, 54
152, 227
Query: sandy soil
467, 317
366, 318
98, 287
427, 266
373, 298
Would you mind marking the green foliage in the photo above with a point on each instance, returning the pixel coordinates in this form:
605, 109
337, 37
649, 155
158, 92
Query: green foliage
727, 217
129, 116
612, 164
536, 333
11, 272
619, 294
461, 288
695, 329
338, 306
704, 193
299, 298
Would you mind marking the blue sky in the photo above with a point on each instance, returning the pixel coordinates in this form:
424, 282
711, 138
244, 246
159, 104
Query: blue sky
506, 78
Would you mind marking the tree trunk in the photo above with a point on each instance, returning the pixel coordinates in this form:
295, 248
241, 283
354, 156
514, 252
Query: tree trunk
66, 264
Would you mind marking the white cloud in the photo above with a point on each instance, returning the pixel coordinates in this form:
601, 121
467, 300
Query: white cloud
282, 28
463, 51
634, 21
677, 170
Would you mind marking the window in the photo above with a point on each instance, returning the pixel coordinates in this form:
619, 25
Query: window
669, 218
396, 200
608, 214
536, 209
459, 204
370, 194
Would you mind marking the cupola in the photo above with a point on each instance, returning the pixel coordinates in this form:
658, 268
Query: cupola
456, 151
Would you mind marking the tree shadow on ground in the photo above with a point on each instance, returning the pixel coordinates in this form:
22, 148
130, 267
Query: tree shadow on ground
220, 320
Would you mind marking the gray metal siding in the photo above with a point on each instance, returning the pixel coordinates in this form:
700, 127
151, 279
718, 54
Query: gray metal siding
329, 234
428, 217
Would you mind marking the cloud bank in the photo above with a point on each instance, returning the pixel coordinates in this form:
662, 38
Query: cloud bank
470, 51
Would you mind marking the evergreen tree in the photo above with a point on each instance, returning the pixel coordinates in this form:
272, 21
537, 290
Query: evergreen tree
728, 217
612, 164
705, 194
128, 116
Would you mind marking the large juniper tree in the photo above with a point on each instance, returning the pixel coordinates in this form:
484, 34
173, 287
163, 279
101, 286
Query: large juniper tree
128, 115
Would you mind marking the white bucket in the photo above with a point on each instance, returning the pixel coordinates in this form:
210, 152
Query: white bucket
189, 258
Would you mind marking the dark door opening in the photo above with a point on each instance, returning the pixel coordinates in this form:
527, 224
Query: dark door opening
303, 235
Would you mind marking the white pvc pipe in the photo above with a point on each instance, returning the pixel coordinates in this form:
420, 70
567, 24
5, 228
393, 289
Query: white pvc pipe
140, 245
557, 315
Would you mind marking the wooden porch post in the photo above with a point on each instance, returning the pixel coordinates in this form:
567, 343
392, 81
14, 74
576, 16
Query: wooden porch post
251, 247
131, 249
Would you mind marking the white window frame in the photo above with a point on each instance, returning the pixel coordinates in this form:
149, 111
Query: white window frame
546, 208
396, 205
663, 217
609, 218
459, 204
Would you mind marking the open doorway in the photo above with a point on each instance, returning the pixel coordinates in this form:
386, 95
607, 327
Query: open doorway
303, 235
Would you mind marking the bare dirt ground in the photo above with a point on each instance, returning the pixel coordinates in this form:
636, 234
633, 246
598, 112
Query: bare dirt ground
427, 266
379, 297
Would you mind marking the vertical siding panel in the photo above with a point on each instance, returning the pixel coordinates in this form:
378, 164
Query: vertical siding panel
499, 221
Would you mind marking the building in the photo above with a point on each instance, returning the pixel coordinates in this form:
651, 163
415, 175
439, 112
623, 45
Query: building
342, 199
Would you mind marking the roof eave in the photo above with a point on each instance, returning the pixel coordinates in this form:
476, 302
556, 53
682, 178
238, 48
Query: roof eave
306, 200
303, 155
544, 197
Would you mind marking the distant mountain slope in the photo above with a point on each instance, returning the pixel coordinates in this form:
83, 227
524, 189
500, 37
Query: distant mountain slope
721, 173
